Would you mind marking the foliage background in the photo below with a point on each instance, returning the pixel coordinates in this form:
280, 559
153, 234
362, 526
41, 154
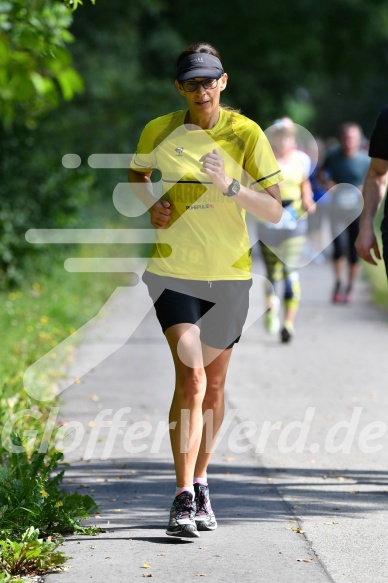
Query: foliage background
320, 63
86, 81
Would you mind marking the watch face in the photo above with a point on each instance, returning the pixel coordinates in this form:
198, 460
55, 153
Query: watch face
235, 187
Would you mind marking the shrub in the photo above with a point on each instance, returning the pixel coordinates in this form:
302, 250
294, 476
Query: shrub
30, 493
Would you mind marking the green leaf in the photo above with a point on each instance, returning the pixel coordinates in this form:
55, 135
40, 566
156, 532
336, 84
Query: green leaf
33, 551
30, 40
43, 85
22, 88
70, 82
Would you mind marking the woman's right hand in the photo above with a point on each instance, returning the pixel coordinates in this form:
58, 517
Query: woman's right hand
366, 242
160, 214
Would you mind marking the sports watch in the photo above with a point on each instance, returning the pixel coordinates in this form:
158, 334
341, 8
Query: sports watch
233, 189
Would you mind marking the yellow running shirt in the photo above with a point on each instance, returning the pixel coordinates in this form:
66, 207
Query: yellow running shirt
206, 237
295, 171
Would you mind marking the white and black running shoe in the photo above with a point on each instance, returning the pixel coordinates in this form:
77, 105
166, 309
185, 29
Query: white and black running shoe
204, 515
182, 517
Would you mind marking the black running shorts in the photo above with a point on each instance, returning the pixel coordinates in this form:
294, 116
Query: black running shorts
219, 308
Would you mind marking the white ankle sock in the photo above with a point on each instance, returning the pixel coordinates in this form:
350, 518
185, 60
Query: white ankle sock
201, 480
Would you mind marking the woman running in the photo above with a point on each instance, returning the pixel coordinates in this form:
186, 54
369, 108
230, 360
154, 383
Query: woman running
215, 164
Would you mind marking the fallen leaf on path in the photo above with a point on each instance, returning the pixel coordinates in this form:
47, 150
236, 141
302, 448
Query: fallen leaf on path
147, 575
297, 529
201, 575
332, 522
305, 560
146, 566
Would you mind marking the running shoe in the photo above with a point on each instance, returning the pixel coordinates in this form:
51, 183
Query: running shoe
337, 296
182, 517
272, 322
204, 516
287, 332
347, 298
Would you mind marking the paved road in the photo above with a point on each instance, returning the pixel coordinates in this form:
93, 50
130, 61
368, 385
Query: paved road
299, 480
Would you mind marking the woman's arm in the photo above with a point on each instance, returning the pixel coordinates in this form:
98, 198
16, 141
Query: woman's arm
160, 212
307, 196
266, 204
374, 189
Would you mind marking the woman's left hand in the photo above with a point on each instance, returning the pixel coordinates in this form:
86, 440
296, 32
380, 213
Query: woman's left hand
309, 205
213, 165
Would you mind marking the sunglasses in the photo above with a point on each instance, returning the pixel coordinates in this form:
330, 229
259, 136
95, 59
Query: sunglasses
191, 85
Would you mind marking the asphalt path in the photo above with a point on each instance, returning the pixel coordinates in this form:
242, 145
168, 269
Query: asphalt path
299, 479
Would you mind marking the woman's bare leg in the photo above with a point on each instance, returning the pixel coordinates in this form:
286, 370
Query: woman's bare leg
213, 406
186, 406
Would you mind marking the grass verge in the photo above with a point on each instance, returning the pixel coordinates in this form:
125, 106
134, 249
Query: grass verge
376, 275
34, 510
378, 280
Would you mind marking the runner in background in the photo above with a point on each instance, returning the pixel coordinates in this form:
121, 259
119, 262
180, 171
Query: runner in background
282, 244
343, 171
375, 187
